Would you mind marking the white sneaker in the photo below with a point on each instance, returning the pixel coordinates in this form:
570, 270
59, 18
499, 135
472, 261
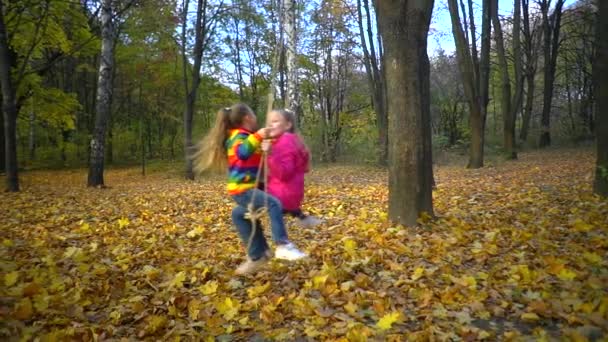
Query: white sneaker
309, 222
288, 252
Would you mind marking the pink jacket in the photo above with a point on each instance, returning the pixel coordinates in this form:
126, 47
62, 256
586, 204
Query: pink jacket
288, 161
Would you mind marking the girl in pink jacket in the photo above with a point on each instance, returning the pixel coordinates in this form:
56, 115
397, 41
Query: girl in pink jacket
288, 161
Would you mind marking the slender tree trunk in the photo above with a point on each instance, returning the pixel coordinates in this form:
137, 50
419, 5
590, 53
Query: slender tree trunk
9, 108
104, 96
200, 34
518, 94
292, 100
476, 93
530, 70
276, 60
551, 44
525, 124
505, 104
375, 78
404, 30
600, 74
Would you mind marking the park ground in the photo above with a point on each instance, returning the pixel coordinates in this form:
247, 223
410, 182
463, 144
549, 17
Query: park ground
517, 251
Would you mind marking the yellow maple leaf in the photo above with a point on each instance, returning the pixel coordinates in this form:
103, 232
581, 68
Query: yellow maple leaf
418, 273
529, 316
178, 280
350, 246
566, 274
11, 278
155, 323
123, 222
194, 308
228, 308
351, 308
255, 291
581, 226
209, 287
319, 280
386, 322
195, 232
592, 258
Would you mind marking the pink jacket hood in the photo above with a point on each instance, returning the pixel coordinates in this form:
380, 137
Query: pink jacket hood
288, 161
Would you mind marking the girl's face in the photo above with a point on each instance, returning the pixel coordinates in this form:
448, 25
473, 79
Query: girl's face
277, 124
250, 122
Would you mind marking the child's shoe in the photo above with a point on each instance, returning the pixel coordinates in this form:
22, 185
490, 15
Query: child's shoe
309, 222
250, 266
289, 252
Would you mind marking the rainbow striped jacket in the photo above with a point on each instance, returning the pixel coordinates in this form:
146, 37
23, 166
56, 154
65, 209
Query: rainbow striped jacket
242, 147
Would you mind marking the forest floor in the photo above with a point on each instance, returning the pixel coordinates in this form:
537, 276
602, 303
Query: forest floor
518, 251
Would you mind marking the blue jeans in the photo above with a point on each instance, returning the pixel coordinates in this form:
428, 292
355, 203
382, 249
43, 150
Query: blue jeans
244, 226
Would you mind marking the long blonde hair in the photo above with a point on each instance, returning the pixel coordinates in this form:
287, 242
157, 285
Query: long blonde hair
210, 152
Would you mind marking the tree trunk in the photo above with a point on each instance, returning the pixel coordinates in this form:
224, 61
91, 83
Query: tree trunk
276, 60
2, 141
600, 73
476, 93
375, 79
518, 93
32, 132
9, 108
292, 101
404, 26
505, 104
104, 96
530, 44
525, 124
551, 27
200, 36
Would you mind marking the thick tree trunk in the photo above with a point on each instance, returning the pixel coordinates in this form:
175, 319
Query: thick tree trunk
104, 96
505, 103
9, 108
600, 73
551, 28
404, 26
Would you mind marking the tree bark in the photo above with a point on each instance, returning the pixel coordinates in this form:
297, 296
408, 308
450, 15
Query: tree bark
292, 101
404, 26
508, 114
9, 108
551, 27
104, 96
276, 59
32, 132
600, 73
375, 78
2, 140
476, 93
531, 42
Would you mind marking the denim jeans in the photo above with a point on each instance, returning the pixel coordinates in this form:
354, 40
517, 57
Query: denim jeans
244, 226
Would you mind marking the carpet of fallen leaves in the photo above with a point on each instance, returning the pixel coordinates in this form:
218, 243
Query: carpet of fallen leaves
518, 251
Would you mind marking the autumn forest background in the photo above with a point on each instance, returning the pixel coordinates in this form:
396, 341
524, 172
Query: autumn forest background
495, 228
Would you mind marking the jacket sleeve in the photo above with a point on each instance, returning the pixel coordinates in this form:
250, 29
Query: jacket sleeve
282, 162
245, 146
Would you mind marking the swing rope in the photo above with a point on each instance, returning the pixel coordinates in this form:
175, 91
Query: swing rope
254, 214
